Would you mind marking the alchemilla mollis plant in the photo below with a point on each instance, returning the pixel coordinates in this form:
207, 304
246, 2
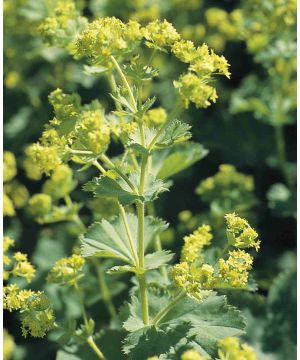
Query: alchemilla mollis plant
176, 307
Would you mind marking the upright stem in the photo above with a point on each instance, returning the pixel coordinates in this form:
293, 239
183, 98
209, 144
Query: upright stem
90, 339
123, 77
96, 349
119, 172
141, 253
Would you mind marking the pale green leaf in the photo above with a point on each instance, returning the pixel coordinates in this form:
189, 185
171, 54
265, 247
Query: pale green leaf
109, 239
170, 161
175, 132
157, 259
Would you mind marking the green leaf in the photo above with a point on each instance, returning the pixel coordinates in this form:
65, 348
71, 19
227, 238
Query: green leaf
209, 320
170, 161
175, 132
157, 259
105, 186
150, 341
94, 70
109, 239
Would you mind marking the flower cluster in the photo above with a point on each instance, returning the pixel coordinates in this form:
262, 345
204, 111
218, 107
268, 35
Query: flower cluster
15, 195
9, 166
63, 26
107, 37
74, 128
36, 315
197, 278
67, 271
160, 34
31, 168
230, 349
192, 355
8, 345
234, 271
203, 64
92, 132
155, 117
194, 243
240, 234
39, 205
21, 266
227, 182
60, 183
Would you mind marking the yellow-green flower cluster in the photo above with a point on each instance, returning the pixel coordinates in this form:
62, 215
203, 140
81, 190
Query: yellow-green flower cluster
39, 204
226, 183
160, 34
240, 234
194, 243
62, 26
192, 89
18, 194
21, 266
196, 280
92, 133
9, 166
8, 345
193, 86
155, 116
15, 195
59, 185
230, 349
32, 170
234, 271
107, 37
67, 271
74, 127
192, 355
8, 206
37, 318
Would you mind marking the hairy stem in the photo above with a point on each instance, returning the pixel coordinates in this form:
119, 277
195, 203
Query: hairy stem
163, 312
96, 349
124, 79
119, 172
141, 255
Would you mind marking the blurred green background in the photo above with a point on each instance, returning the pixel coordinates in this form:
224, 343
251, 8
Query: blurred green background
252, 127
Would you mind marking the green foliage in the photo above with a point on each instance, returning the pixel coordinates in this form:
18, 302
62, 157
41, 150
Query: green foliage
144, 73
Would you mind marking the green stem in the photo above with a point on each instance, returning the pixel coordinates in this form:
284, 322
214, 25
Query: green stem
96, 349
99, 167
80, 152
128, 233
124, 79
84, 315
106, 296
163, 312
119, 172
141, 254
